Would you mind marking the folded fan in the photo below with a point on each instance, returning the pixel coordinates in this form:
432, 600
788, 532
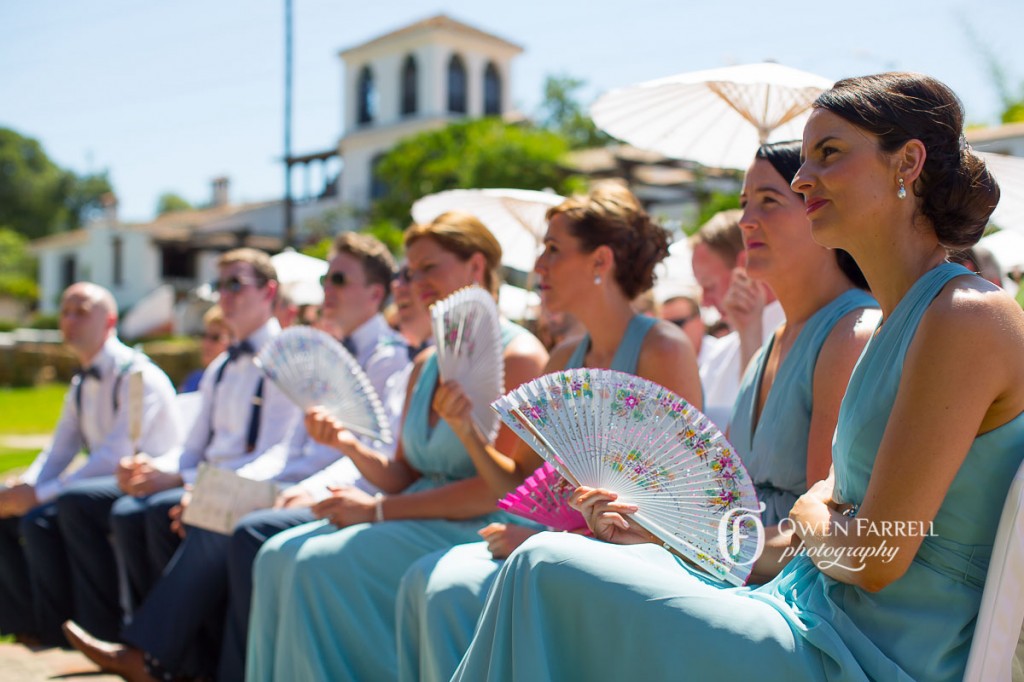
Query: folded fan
312, 368
607, 429
544, 497
467, 334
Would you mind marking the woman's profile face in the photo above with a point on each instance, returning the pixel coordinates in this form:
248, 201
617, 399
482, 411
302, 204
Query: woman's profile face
436, 273
848, 183
776, 234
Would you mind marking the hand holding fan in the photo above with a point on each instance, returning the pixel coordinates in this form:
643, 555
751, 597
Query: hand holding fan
606, 429
467, 334
312, 368
544, 497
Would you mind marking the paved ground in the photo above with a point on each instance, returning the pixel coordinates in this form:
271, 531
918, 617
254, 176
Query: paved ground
20, 664
27, 442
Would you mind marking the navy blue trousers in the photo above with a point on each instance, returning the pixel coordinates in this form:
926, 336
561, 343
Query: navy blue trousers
34, 578
143, 538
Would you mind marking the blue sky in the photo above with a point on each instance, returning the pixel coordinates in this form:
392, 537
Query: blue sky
167, 95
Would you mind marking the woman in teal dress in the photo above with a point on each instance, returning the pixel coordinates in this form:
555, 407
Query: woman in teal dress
600, 253
810, 359
324, 598
926, 437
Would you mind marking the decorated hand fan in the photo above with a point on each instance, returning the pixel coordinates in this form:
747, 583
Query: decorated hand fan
544, 497
312, 368
467, 335
606, 429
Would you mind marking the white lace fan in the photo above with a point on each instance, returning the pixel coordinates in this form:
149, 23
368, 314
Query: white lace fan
608, 429
312, 368
467, 334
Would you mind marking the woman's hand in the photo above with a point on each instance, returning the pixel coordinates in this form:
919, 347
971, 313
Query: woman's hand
346, 506
454, 406
502, 539
606, 517
326, 430
812, 512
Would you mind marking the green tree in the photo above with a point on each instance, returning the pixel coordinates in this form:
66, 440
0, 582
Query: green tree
169, 202
37, 197
469, 154
17, 266
562, 112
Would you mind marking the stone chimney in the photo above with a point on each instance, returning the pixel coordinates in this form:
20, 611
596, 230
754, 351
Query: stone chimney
108, 202
220, 191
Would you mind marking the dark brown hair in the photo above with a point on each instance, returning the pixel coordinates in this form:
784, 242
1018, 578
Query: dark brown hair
956, 191
610, 215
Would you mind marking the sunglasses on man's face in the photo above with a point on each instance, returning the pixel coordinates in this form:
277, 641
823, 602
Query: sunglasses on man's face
235, 284
403, 275
335, 279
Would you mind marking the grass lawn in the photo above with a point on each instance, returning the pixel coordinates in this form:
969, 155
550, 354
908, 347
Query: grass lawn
15, 459
30, 410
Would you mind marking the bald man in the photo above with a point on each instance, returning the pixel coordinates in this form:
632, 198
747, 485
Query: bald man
35, 581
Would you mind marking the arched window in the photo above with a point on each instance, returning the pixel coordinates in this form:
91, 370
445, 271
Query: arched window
409, 90
492, 90
366, 96
457, 85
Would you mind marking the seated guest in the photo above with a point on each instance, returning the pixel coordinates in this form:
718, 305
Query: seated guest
410, 316
215, 339
600, 253
324, 598
748, 308
784, 415
37, 590
241, 417
895, 543
177, 629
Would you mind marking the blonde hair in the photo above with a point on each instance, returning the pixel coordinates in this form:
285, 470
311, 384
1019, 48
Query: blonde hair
463, 235
259, 260
722, 235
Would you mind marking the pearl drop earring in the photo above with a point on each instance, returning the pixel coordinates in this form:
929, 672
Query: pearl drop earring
597, 279
902, 191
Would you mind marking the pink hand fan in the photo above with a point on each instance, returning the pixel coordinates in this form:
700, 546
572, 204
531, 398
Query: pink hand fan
544, 497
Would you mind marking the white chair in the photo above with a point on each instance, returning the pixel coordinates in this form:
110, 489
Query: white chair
1002, 604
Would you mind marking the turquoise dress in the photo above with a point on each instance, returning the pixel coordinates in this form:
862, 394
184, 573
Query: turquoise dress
775, 450
567, 607
323, 603
442, 594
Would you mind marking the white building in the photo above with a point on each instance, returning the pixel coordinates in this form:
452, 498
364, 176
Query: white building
1003, 139
418, 78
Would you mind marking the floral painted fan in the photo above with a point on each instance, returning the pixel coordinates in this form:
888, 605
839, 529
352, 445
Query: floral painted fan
608, 429
312, 368
467, 334
544, 497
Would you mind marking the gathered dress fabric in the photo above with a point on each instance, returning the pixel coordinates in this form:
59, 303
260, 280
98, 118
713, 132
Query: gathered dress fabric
567, 607
323, 602
442, 594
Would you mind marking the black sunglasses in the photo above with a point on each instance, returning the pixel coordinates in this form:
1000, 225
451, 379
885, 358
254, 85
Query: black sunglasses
403, 275
683, 321
210, 336
336, 279
236, 284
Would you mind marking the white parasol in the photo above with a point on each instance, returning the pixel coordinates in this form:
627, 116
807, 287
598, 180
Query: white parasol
717, 117
514, 216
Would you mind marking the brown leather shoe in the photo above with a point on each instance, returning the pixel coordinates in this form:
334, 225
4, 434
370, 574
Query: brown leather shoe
114, 658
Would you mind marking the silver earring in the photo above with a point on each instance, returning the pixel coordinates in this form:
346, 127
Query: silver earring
902, 191
597, 279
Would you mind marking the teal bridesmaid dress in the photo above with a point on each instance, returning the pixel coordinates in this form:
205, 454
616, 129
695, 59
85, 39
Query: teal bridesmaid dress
774, 451
324, 599
442, 594
567, 607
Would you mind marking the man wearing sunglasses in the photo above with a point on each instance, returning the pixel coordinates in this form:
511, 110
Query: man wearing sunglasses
240, 418
174, 636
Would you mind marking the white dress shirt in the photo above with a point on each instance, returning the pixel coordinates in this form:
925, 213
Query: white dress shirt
220, 433
89, 420
720, 370
384, 356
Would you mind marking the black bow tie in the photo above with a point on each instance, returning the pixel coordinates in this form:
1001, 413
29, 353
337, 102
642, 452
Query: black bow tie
349, 345
87, 372
241, 348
